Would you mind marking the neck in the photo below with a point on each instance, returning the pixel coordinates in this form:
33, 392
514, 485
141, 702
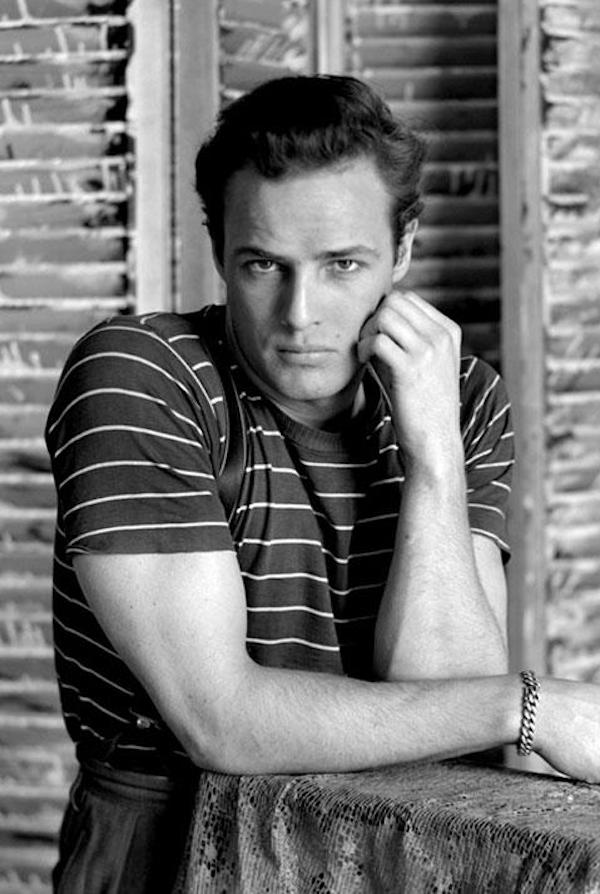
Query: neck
330, 414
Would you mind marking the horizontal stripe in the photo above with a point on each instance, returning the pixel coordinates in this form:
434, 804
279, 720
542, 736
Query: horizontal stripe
487, 508
149, 527
499, 465
289, 608
358, 589
131, 428
290, 575
116, 498
491, 536
134, 463
292, 639
93, 672
88, 639
90, 701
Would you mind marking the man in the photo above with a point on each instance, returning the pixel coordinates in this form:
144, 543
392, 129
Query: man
352, 612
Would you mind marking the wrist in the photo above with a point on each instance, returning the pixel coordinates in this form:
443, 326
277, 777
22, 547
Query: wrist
441, 467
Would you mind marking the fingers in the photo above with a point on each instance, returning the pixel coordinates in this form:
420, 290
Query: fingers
406, 321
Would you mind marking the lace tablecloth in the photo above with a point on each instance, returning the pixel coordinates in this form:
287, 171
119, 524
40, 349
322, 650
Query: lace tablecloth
431, 828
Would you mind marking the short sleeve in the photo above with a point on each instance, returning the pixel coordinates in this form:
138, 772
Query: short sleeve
487, 431
134, 441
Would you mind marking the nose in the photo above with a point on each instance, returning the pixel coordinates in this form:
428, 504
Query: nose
298, 301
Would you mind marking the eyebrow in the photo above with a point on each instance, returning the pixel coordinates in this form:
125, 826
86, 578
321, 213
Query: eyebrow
325, 255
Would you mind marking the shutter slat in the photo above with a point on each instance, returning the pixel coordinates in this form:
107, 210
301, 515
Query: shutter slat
435, 63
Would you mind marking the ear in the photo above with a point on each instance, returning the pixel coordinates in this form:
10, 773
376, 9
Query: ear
404, 252
218, 262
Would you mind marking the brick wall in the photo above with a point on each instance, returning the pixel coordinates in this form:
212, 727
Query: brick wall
571, 153
63, 266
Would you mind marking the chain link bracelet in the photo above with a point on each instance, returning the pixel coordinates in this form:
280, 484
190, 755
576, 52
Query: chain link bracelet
531, 694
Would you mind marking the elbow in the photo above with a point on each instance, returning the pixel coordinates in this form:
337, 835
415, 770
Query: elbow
225, 737
221, 754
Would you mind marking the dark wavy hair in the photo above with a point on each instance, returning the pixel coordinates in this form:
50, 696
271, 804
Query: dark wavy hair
302, 123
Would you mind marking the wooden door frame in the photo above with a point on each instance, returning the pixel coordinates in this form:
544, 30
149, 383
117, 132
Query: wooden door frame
523, 357
174, 85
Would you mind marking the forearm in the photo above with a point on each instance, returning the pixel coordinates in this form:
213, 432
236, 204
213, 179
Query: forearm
293, 722
435, 620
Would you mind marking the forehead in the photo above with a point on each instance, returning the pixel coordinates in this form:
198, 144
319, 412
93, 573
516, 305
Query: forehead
346, 201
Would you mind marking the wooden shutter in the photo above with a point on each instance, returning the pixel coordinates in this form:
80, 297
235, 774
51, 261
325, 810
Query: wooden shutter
436, 65
64, 237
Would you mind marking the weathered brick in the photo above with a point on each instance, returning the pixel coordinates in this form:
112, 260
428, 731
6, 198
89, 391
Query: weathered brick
574, 376
574, 342
575, 478
576, 148
575, 508
572, 52
566, 411
561, 18
575, 541
570, 575
575, 179
583, 312
570, 663
582, 113
568, 277
582, 82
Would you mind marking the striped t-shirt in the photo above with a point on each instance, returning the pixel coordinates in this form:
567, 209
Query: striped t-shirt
136, 435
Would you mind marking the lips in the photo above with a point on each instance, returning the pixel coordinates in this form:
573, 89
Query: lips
304, 356
303, 349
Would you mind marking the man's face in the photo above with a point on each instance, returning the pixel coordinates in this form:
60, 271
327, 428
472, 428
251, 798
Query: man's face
306, 260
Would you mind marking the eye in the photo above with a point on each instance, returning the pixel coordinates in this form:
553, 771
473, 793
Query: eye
261, 265
346, 265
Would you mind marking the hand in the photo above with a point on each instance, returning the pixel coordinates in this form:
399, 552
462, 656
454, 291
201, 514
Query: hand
567, 730
415, 350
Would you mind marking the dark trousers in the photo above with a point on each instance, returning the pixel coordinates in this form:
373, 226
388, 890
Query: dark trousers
123, 832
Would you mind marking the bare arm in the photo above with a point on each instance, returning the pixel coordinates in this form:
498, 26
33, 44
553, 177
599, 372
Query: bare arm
443, 610
186, 644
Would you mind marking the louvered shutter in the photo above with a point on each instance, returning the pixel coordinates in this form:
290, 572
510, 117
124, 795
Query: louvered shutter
436, 65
